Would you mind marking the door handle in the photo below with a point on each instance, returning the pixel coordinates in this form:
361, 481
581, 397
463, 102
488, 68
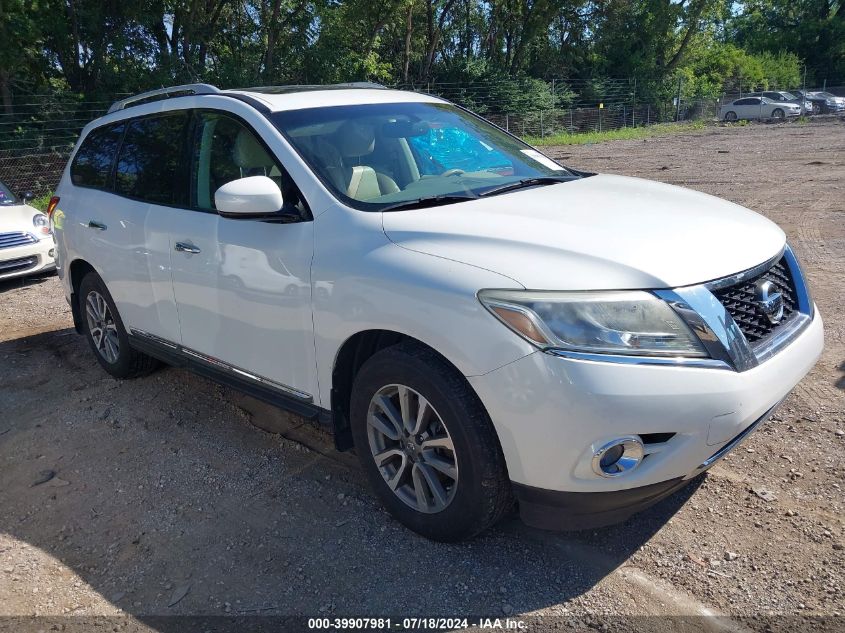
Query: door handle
94, 224
182, 247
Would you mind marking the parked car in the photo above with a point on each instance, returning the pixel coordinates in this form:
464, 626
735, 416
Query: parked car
26, 244
749, 108
479, 322
832, 102
785, 97
823, 102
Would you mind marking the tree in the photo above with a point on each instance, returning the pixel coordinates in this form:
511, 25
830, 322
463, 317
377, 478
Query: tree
20, 60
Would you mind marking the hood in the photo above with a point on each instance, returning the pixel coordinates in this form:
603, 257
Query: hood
17, 217
600, 232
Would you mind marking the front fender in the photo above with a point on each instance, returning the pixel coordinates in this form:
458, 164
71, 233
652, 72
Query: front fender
370, 283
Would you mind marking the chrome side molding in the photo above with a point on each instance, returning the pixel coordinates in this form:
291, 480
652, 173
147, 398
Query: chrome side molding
218, 364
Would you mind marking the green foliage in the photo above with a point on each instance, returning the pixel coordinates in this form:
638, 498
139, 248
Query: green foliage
41, 202
502, 93
812, 30
630, 133
103, 49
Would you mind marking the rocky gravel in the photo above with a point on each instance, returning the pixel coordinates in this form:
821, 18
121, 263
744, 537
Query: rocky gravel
173, 495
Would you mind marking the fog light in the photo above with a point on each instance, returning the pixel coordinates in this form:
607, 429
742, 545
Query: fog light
52, 252
618, 457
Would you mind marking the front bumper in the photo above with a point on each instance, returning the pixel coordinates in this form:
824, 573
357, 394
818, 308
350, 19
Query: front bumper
28, 259
552, 413
553, 510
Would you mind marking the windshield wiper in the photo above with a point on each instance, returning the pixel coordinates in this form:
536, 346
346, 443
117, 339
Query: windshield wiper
527, 182
428, 201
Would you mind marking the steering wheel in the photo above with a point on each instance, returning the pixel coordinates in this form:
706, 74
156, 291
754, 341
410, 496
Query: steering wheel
452, 172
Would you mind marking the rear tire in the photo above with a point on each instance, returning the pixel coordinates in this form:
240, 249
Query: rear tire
730, 116
106, 334
456, 444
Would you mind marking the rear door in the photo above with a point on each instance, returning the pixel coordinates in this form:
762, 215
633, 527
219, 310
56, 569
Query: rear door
116, 173
748, 108
150, 177
243, 286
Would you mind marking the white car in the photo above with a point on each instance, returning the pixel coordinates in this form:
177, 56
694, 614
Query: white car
749, 108
480, 323
26, 244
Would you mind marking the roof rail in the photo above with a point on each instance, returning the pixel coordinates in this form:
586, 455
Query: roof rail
164, 93
292, 88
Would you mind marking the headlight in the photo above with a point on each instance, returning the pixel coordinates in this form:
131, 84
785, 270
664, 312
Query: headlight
636, 322
42, 223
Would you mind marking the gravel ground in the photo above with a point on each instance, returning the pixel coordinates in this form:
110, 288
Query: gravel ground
173, 495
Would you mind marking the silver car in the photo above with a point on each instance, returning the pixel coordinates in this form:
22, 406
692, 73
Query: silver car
758, 108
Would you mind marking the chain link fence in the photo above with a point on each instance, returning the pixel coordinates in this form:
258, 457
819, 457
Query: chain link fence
36, 137
39, 132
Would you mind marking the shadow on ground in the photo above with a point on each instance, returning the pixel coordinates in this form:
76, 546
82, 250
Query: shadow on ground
19, 282
164, 497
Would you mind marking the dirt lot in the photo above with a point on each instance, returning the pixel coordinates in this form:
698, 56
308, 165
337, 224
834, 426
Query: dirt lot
166, 496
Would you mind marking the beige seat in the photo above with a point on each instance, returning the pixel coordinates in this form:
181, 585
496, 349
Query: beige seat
250, 156
353, 142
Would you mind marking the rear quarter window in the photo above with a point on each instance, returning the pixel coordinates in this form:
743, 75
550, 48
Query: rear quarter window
93, 163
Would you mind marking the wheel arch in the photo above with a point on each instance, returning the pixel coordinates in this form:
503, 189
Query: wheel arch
77, 270
350, 357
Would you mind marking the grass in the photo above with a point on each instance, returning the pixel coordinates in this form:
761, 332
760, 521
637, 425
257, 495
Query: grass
627, 133
41, 202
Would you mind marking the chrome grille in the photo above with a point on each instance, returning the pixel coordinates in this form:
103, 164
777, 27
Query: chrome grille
739, 301
17, 265
17, 238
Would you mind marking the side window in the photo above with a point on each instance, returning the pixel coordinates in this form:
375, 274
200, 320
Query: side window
225, 149
150, 162
93, 162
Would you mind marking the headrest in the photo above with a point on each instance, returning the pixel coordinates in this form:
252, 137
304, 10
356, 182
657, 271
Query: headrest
355, 139
248, 152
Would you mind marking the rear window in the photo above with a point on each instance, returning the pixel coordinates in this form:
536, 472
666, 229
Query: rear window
151, 165
93, 162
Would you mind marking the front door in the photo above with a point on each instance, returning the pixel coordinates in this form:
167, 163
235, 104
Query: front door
242, 287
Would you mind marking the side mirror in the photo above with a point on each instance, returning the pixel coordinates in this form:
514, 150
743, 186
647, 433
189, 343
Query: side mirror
27, 196
251, 197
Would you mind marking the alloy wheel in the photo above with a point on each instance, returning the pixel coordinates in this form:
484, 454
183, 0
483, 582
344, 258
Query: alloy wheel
412, 448
102, 326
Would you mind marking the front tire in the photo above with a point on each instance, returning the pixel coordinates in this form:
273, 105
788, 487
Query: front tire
778, 114
427, 445
106, 334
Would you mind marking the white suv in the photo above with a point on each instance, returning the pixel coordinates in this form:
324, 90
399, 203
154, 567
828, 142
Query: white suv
482, 324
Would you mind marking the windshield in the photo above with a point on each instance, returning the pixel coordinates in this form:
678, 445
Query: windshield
826, 95
788, 96
376, 156
6, 196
